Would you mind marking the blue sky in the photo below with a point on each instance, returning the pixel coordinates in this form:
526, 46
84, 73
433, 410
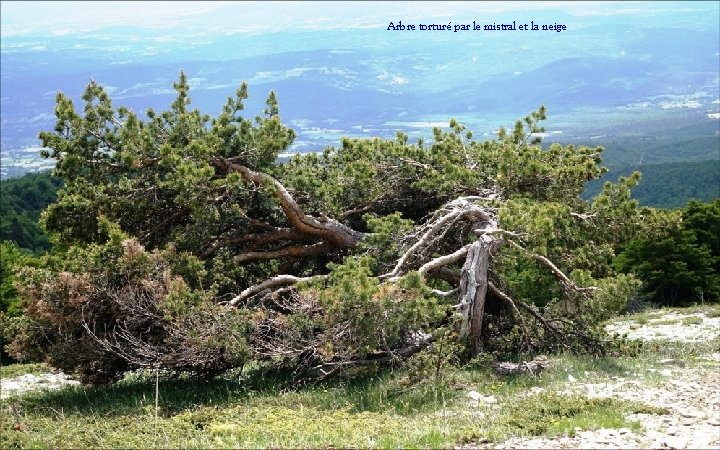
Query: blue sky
58, 18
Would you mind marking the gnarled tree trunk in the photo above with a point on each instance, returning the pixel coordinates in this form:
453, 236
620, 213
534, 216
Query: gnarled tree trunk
473, 290
474, 285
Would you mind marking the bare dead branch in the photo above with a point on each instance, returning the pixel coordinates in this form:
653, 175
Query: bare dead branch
461, 208
440, 293
331, 368
582, 216
443, 261
358, 210
513, 307
271, 283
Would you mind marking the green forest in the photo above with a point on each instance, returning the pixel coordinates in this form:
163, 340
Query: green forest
669, 185
21, 202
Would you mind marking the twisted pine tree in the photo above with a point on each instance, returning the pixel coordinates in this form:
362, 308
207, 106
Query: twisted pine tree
182, 243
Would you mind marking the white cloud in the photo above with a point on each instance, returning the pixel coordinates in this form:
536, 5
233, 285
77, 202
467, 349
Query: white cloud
396, 79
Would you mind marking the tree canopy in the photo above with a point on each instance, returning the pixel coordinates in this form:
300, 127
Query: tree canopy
21, 202
182, 243
683, 265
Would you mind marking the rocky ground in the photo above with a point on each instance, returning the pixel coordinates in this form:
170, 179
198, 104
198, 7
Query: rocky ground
24, 383
688, 388
692, 394
670, 325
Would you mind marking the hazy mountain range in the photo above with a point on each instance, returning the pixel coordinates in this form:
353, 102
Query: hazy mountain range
638, 70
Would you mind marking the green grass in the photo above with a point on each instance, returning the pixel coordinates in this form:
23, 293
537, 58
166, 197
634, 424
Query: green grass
655, 316
684, 351
14, 370
692, 320
262, 409
382, 411
666, 322
643, 316
710, 310
554, 414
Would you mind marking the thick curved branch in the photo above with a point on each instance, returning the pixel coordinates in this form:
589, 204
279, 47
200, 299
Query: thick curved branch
330, 230
293, 251
258, 240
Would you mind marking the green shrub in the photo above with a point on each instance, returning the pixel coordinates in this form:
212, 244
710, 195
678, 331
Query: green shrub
125, 311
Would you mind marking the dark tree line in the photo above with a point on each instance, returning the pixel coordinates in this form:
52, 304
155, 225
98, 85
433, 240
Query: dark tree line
21, 202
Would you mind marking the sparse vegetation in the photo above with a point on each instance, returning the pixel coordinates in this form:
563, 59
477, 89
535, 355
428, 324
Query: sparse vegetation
666, 322
553, 414
12, 370
692, 320
261, 407
382, 411
205, 288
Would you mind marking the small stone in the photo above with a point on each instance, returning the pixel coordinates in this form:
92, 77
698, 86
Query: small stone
702, 441
474, 395
571, 378
692, 414
676, 442
666, 372
489, 399
672, 362
714, 421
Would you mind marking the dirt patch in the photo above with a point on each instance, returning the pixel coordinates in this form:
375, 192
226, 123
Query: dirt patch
25, 383
671, 326
691, 394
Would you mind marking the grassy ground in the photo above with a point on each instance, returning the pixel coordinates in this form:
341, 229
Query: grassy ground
387, 410
712, 310
14, 370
